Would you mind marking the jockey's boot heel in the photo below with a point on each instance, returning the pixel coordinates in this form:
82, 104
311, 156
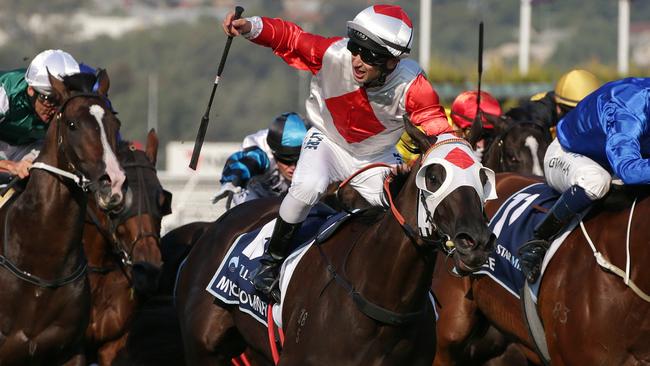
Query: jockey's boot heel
265, 279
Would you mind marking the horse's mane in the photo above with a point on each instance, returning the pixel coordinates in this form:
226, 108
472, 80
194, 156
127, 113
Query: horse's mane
80, 83
621, 197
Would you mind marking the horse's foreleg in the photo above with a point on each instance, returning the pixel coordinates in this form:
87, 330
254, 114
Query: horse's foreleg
109, 350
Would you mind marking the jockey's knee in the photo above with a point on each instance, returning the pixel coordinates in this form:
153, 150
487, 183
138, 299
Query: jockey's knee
309, 190
595, 181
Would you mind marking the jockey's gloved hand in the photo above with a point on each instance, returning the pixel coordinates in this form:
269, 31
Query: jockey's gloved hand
400, 169
227, 191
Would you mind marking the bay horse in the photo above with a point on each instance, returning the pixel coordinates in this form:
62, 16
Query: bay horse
381, 258
518, 146
590, 316
124, 259
45, 294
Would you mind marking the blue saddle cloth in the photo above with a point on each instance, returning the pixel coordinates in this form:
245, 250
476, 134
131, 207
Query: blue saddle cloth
232, 282
513, 224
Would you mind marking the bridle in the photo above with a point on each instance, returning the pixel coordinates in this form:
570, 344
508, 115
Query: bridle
81, 181
124, 252
498, 140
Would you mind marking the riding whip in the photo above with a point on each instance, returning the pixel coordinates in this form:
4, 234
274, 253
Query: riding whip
477, 125
206, 116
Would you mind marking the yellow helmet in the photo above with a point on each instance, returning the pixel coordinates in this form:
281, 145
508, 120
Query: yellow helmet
574, 86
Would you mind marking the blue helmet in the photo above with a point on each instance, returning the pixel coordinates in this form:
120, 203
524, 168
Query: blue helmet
285, 136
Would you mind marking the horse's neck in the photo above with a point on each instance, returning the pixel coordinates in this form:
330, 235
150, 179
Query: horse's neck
45, 220
397, 264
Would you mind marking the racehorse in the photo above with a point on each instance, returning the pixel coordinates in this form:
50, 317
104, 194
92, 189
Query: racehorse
368, 263
590, 316
123, 251
45, 295
518, 147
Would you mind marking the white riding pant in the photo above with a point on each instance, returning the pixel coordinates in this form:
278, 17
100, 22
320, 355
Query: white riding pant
323, 162
564, 169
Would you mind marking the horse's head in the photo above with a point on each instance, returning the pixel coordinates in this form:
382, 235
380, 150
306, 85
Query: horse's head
519, 147
84, 134
452, 190
137, 225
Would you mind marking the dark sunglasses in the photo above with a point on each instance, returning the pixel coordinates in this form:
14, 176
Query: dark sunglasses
286, 161
367, 56
48, 100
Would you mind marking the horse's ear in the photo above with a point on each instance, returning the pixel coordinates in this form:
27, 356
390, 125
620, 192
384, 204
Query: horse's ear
476, 131
151, 150
501, 123
59, 90
421, 140
103, 82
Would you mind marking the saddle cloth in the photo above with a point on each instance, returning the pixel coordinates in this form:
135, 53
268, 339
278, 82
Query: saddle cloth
513, 224
232, 282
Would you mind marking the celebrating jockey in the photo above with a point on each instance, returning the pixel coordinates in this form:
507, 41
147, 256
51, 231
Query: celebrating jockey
26, 107
362, 87
265, 165
608, 133
548, 108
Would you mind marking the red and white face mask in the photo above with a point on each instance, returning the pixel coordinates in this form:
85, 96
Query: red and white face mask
462, 169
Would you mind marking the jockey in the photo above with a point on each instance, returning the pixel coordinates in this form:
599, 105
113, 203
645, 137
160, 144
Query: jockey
463, 113
265, 165
26, 108
362, 87
607, 134
550, 107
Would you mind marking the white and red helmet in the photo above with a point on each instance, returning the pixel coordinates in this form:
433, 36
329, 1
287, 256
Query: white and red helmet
386, 26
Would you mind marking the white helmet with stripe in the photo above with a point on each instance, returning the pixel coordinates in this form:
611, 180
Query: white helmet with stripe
386, 26
58, 62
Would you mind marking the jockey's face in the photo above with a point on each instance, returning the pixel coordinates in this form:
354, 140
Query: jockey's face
364, 73
286, 170
44, 108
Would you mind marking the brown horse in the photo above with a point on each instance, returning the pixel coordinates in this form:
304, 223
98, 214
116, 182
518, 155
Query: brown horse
518, 147
589, 315
123, 251
368, 263
45, 296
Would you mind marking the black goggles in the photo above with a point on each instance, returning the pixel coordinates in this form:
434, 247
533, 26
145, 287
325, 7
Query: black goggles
47, 100
286, 160
367, 56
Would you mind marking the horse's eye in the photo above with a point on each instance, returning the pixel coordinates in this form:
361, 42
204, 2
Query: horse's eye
72, 125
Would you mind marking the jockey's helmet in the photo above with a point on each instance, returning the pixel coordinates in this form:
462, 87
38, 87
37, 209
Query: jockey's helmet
573, 86
463, 109
385, 29
285, 137
58, 62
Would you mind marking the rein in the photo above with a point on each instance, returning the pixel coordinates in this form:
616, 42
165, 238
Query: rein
420, 243
5, 262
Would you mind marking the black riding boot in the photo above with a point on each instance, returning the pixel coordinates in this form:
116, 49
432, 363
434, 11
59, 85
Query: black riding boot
569, 205
266, 277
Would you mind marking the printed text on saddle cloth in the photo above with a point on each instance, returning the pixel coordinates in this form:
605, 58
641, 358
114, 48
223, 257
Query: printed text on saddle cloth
461, 168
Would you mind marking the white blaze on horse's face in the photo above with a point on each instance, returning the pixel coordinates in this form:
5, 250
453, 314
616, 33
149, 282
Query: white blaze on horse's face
113, 168
462, 169
533, 145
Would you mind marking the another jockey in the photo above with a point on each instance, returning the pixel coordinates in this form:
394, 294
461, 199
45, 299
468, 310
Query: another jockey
548, 108
362, 87
265, 165
463, 113
607, 134
26, 108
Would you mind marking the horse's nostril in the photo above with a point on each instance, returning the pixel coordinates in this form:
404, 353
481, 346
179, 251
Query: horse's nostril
466, 240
